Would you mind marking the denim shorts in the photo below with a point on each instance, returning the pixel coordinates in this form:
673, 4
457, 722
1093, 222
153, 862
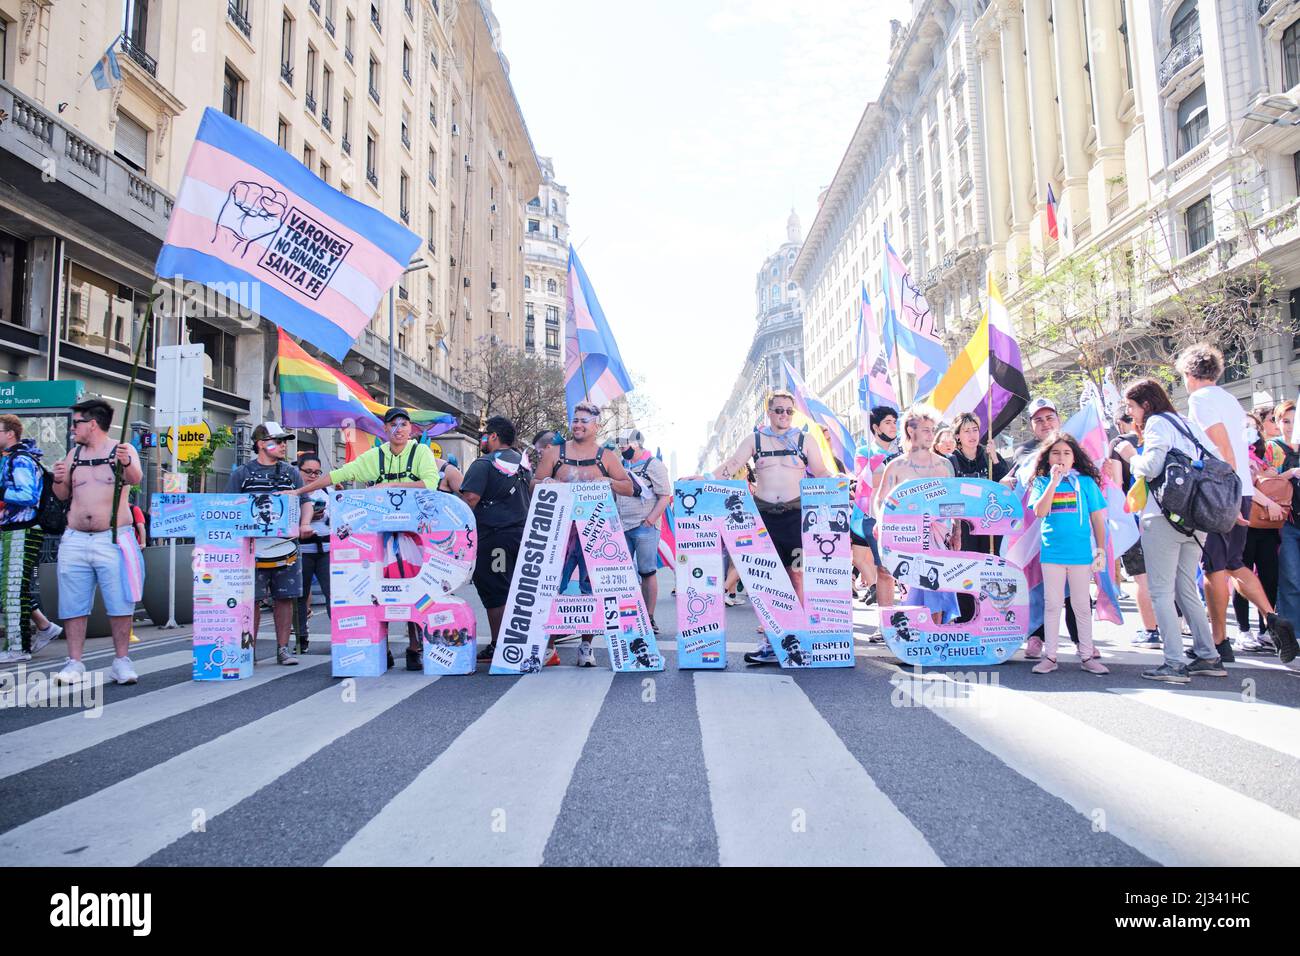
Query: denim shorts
90, 557
643, 542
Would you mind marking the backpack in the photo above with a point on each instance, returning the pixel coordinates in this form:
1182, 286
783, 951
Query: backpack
51, 513
1201, 495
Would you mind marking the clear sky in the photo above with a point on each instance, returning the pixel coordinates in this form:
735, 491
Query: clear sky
685, 131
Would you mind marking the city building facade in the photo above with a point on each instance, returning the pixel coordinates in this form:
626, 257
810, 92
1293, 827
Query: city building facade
1178, 156
546, 267
777, 339
405, 105
912, 171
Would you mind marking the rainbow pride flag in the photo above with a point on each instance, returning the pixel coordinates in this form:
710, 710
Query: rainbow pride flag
313, 395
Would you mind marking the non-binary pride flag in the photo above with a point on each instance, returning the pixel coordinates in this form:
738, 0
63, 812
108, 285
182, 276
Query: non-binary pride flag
593, 369
908, 325
313, 395
874, 386
988, 371
257, 226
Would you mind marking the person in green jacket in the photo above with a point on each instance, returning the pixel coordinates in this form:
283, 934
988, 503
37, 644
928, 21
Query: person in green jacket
399, 462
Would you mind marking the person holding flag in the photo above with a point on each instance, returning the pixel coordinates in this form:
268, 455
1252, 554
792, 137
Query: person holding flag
868, 458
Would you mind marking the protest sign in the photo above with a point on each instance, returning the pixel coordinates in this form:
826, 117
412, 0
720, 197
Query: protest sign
223, 528
396, 554
917, 522
712, 514
535, 608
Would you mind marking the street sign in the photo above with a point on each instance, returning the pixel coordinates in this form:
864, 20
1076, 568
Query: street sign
193, 440
179, 390
20, 395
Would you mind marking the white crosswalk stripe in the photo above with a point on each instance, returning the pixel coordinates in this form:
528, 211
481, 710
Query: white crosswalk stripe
52, 739
783, 788
127, 822
497, 790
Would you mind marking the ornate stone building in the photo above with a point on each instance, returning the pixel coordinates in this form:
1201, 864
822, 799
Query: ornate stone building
546, 265
778, 338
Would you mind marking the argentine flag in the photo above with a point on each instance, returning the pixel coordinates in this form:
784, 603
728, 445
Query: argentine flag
107, 73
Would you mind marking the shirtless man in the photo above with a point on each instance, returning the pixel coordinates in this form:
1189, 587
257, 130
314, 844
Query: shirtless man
781, 457
918, 460
87, 553
582, 459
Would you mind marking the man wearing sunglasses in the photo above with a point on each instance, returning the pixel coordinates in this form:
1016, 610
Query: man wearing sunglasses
582, 459
87, 553
781, 458
400, 462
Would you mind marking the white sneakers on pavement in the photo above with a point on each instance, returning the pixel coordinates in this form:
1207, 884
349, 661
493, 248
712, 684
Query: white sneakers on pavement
43, 635
73, 672
122, 672
586, 655
14, 657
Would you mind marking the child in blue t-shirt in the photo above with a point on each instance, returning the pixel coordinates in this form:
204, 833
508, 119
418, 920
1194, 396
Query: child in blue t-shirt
1066, 497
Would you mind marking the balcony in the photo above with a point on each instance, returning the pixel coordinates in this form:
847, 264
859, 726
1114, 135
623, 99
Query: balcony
286, 73
326, 123
1182, 55
406, 75
239, 18
374, 95
433, 179
1190, 160
1264, 5
406, 138
93, 186
315, 6
137, 52
406, 218
433, 117
347, 144
311, 103
401, 291
372, 177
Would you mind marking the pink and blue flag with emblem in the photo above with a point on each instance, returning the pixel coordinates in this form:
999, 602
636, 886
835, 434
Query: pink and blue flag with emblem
257, 226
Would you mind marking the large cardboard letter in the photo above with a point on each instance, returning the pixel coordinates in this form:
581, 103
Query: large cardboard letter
396, 554
535, 607
223, 528
914, 521
818, 633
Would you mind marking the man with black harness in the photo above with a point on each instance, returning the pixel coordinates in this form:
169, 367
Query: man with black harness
279, 571
399, 462
582, 459
781, 459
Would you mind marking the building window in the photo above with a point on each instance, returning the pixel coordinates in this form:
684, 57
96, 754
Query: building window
1128, 56
326, 96
282, 135
555, 232
534, 225
136, 25
403, 196
286, 48
406, 127
1185, 24
4, 49
372, 161
232, 94
534, 203
433, 230
347, 120
349, 35
553, 315
218, 354
406, 61
373, 79
102, 314
311, 78
309, 157
324, 171
1200, 225
552, 288
131, 143
1193, 120
528, 280
13, 267
1291, 55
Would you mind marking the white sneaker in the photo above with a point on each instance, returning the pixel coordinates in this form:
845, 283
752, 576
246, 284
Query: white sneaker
14, 657
122, 672
586, 655
73, 672
44, 635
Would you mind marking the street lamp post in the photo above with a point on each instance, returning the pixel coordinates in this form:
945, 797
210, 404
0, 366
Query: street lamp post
415, 266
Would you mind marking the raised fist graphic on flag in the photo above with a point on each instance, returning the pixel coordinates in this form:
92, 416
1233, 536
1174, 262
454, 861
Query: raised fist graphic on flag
251, 212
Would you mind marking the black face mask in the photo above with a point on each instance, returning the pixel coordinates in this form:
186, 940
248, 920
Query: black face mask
628, 453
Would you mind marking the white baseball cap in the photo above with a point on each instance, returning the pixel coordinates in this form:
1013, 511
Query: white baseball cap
1038, 404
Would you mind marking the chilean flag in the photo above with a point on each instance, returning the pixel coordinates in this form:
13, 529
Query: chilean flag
1051, 213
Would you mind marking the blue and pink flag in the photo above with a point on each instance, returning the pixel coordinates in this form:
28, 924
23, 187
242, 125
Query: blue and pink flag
593, 369
668, 539
257, 226
819, 415
909, 326
874, 385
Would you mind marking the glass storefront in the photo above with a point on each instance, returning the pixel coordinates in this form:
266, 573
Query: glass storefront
104, 315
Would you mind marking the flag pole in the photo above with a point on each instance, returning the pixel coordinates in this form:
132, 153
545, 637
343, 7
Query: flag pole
126, 416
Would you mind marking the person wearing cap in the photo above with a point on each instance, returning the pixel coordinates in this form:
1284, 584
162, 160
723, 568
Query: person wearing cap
399, 462
640, 514
279, 572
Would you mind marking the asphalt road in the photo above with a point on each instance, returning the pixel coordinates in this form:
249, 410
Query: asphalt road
869, 765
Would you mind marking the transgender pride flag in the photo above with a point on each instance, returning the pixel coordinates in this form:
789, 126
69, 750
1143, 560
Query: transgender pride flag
593, 369
908, 325
874, 387
254, 224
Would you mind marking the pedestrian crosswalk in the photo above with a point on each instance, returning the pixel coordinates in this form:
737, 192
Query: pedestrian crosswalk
874, 765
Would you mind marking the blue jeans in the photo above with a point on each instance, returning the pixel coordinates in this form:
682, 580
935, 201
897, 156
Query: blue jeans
1288, 577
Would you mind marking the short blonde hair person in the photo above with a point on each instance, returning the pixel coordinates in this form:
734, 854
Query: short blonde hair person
914, 415
779, 393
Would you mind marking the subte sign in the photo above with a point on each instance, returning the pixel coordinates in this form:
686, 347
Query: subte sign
193, 440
